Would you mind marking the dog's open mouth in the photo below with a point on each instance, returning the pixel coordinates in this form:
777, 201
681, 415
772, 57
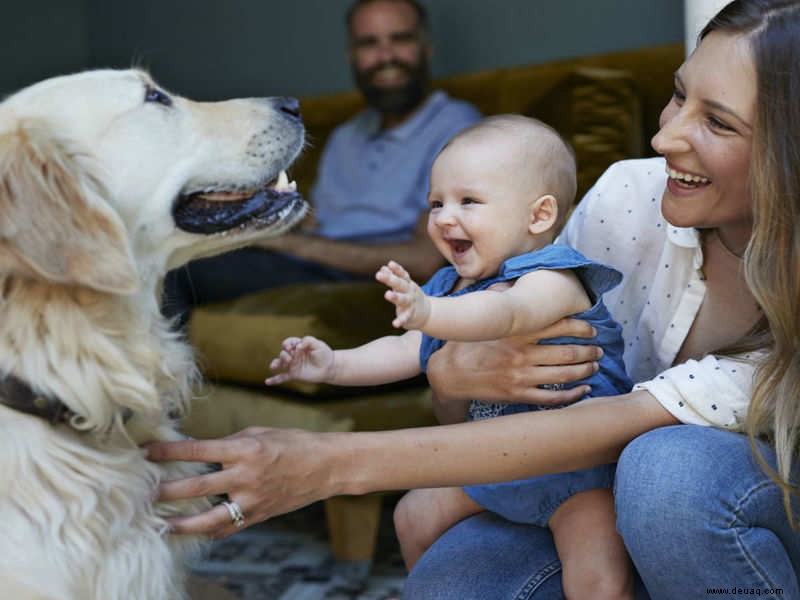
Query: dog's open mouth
219, 211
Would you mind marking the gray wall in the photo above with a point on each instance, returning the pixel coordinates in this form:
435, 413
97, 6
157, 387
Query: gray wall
41, 38
211, 49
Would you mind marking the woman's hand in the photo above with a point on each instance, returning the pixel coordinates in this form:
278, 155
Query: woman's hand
266, 471
272, 471
512, 369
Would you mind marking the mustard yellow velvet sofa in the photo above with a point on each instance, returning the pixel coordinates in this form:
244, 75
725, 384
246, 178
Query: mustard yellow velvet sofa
605, 105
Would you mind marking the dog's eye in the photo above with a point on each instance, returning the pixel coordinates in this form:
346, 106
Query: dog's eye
152, 94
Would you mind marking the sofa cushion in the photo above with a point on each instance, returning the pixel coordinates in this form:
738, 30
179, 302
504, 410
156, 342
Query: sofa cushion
221, 410
598, 111
236, 340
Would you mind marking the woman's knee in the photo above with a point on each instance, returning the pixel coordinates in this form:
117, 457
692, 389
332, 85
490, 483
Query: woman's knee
697, 498
676, 471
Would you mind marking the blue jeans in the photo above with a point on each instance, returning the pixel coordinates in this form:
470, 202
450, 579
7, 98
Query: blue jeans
693, 506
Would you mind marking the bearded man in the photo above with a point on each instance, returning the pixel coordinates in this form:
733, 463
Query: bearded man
370, 195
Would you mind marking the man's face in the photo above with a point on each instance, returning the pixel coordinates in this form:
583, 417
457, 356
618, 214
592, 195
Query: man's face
388, 56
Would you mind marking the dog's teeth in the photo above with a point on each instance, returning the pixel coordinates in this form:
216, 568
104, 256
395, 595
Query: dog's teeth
283, 181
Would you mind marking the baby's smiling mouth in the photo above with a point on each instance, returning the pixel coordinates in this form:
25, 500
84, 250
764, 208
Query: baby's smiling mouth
459, 247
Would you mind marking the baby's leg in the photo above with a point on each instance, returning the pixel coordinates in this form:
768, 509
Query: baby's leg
594, 562
423, 515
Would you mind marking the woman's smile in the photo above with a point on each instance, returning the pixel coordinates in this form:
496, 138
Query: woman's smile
680, 182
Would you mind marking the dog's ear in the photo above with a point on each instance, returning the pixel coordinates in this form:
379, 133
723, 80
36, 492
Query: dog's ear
53, 218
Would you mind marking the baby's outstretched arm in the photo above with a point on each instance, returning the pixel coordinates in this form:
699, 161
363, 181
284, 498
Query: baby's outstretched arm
529, 304
305, 358
386, 359
412, 306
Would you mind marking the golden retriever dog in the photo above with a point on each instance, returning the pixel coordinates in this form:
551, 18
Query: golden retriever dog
106, 182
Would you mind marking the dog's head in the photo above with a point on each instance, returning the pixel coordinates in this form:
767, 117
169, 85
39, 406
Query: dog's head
106, 179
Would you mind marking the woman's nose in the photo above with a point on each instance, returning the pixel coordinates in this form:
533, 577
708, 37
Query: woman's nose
674, 135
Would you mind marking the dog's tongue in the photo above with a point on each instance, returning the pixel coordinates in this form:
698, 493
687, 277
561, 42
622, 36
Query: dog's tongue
280, 184
225, 196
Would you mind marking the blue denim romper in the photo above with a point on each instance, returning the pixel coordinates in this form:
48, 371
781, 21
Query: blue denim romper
534, 500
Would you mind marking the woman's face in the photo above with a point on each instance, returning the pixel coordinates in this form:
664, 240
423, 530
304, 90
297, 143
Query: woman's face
706, 137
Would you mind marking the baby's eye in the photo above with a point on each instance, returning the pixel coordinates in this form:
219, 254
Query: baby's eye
468, 200
435, 204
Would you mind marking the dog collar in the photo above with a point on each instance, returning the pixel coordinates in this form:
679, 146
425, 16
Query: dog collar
16, 394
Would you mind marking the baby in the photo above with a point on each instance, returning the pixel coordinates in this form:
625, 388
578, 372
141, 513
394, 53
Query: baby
499, 192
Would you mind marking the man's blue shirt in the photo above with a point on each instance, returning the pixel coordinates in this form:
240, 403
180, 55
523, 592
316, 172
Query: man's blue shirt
372, 185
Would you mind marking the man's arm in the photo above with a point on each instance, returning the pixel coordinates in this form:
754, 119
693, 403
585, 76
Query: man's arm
418, 255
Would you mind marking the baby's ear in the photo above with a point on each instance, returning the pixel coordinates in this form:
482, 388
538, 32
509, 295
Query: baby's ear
544, 214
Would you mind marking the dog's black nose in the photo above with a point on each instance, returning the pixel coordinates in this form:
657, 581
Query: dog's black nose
287, 105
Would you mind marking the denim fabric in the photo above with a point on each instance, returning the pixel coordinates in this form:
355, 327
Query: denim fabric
597, 279
695, 510
535, 500
487, 558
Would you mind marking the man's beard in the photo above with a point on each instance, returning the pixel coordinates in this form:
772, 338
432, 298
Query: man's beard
395, 100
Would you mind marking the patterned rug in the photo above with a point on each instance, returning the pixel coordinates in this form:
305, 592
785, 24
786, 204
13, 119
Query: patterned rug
288, 558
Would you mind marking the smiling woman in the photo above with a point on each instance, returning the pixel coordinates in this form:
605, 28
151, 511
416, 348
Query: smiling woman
706, 136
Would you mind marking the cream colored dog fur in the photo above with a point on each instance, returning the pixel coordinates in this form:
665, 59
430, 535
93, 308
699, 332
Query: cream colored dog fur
106, 182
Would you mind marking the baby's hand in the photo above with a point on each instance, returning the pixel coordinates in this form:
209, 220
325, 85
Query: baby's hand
308, 358
412, 306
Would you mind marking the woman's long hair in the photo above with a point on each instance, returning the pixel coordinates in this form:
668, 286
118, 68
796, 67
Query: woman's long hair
772, 259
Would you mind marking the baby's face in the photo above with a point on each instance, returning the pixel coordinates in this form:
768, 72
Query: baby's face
479, 209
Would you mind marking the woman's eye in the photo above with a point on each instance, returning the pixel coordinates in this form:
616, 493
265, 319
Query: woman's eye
678, 95
717, 124
152, 94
